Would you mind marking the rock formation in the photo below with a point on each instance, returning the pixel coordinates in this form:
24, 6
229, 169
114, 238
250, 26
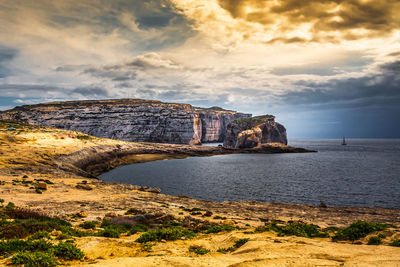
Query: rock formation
252, 132
130, 120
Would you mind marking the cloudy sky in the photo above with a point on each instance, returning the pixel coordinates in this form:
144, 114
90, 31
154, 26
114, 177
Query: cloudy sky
324, 68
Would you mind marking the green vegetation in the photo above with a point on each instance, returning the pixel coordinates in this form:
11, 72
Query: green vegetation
133, 211
88, 225
36, 250
34, 259
83, 137
109, 232
199, 250
237, 245
114, 230
296, 228
40, 235
395, 243
169, 234
215, 228
68, 251
374, 240
358, 230
138, 228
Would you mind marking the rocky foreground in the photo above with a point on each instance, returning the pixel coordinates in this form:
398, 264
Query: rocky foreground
49, 170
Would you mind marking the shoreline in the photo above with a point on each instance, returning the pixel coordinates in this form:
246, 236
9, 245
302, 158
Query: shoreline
65, 159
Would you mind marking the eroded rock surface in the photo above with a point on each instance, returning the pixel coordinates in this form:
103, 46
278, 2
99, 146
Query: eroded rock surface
252, 132
130, 120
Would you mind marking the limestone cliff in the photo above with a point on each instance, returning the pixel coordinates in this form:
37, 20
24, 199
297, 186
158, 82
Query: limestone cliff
130, 119
252, 132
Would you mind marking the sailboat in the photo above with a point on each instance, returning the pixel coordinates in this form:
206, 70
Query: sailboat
344, 142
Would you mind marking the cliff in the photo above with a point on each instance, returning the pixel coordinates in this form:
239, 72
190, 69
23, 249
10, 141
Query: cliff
253, 132
130, 120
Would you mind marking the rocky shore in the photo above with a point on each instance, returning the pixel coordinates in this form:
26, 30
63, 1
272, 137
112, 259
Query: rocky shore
59, 164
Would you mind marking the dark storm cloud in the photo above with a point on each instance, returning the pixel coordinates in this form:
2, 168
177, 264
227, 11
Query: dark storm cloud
377, 17
382, 89
6, 55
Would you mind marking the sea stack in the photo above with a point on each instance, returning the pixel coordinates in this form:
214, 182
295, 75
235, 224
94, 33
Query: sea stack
252, 132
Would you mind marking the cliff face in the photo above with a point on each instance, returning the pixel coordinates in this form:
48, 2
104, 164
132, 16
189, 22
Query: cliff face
130, 120
252, 132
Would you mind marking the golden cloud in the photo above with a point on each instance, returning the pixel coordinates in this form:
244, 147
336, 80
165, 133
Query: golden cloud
348, 19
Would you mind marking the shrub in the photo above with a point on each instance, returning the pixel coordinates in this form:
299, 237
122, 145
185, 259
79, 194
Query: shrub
12, 246
40, 235
68, 251
109, 232
395, 243
199, 250
358, 230
88, 225
298, 229
374, 240
237, 245
214, 228
138, 228
10, 206
241, 242
208, 214
68, 232
170, 234
147, 247
83, 137
134, 211
34, 259
3, 215
26, 228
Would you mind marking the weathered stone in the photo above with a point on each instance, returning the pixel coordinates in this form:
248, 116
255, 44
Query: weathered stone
81, 214
84, 187
150, 189
41, 186
130, 120
252, 132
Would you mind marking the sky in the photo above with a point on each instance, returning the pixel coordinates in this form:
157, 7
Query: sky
325, 69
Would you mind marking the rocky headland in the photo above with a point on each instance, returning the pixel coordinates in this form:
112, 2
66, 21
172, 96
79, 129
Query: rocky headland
132, 120
253, 132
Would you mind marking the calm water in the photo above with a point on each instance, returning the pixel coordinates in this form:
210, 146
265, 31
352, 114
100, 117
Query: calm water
366, 172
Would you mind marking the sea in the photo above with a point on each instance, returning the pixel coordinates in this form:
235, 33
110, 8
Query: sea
365, 172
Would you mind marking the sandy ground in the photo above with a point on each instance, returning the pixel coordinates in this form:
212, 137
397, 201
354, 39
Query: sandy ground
32, 151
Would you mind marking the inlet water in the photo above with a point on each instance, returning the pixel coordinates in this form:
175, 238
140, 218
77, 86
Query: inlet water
366, 172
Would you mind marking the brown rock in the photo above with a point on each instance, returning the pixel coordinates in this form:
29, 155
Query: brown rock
323, 205
41, 186
82, 214
84, 186
150, 189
